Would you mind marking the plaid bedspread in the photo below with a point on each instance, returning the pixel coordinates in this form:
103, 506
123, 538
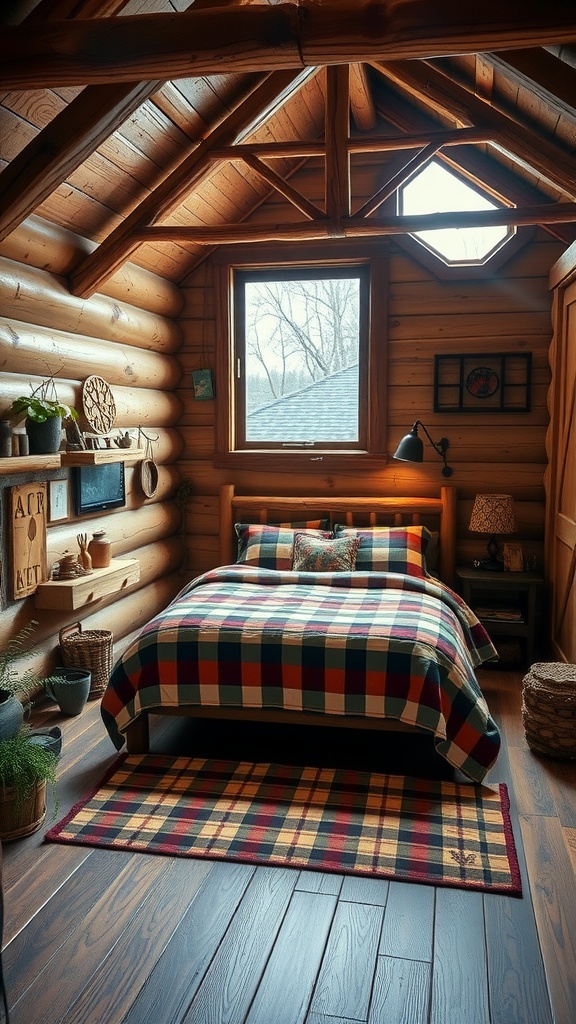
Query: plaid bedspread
351, 644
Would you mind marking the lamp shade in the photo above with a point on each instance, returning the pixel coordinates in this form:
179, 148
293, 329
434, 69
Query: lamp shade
493, 513
411, 447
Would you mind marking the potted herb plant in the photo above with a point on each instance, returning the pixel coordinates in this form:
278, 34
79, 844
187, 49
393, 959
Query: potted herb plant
13, 683
26, 769
43, 415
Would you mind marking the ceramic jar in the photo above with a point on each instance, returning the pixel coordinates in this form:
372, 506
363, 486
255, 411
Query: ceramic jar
11, 715
99, 550
44, 438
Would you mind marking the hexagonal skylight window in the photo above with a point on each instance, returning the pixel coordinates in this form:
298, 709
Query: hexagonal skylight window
435, 189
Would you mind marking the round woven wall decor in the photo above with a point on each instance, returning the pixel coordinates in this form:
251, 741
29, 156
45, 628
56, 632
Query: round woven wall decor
98, 404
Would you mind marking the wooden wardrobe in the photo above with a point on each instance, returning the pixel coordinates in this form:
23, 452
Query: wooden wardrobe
560, 478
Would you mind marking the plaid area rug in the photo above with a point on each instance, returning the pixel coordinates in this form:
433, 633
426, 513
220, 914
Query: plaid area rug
386, 826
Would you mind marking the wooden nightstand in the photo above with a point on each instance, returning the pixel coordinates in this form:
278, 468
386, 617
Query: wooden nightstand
507, 603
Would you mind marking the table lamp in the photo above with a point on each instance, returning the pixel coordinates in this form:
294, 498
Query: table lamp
493, 514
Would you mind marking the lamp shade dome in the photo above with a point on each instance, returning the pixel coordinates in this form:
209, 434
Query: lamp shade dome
411, 448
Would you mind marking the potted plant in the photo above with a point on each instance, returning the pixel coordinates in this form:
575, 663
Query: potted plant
43, 414
25, 770
12, 683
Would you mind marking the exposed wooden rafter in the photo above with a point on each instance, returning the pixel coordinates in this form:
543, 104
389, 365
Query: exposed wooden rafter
50, 10
546, 76
74, 133
119, 245
260, 38
444, 96
69, 139
361, 101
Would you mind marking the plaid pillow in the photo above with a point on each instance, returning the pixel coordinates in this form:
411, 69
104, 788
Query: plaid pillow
315, 554
309, 524
269, 547
389, 549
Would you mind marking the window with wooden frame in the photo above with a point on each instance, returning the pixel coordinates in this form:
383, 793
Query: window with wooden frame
304, 363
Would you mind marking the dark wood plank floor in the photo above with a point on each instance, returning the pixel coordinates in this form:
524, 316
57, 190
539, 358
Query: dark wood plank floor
96, 935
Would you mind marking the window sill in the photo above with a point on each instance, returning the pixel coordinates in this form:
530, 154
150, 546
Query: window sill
299, 461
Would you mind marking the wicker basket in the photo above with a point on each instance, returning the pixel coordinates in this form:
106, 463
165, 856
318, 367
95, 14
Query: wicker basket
90, 650
549, 709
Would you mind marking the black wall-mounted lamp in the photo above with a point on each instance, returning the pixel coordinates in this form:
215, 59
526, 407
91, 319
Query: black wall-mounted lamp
411, 448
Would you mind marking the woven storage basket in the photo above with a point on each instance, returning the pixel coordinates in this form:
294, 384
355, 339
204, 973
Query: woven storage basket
90, 650
17, 820
549, 709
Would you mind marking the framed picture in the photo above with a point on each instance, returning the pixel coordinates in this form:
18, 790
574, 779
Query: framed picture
513, 558
498, 382
58, 504
203, 384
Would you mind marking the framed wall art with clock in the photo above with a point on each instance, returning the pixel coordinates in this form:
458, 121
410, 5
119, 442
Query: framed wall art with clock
481, 382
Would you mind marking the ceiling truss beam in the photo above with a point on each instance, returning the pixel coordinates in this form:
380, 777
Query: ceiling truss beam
374, 144
357, 227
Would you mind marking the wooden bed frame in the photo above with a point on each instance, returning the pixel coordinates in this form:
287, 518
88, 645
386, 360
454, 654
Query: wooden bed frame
436, 513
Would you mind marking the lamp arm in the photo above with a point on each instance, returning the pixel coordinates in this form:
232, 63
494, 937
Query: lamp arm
441, 447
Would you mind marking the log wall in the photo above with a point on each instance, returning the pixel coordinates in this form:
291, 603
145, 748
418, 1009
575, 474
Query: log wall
147, 355
129, 336
500, 452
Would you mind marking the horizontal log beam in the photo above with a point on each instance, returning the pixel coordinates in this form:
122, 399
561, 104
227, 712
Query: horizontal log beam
262, 38
143, 406
38, 297
354, 227
48, 247
375, 144
25, 347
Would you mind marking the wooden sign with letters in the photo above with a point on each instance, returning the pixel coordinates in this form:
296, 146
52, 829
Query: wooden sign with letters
28, 532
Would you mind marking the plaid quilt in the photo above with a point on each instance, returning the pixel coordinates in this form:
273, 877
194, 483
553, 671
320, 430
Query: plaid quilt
346, 643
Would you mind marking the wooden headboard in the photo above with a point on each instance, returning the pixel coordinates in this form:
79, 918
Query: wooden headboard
436, 513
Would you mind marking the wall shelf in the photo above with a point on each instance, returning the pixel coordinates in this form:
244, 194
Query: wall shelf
69, 595
99, 456
91, 457
29, 463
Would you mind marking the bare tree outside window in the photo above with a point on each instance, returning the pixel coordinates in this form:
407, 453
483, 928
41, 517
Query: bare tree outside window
301, 357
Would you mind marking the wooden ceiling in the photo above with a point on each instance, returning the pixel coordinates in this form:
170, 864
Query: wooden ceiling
105, 131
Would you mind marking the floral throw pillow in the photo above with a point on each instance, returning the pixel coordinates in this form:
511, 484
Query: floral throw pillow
315, 554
